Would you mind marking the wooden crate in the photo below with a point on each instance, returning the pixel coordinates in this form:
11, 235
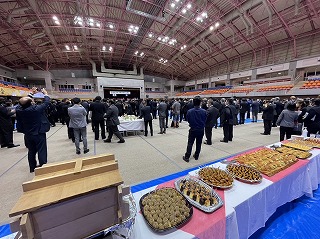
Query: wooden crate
72, 199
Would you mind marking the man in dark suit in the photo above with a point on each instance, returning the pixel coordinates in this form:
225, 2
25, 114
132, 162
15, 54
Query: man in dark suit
162, 108
243, 110
212, 116
33, 123
113, 122
196, 118
147, 117
6, 126
98, 110
267, 116
226, 119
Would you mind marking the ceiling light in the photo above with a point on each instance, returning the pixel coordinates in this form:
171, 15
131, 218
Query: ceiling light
111, 26
159, 38
137, 28
110, 48
211, 28
217, 24
80, 23
204, 14
67, 47
55, 18
91, 24
189, 6
184, 11
135, 31
130, 30
75, 47
279, 73
130, 26
173, 5
98, 24
177, 0
57, 22
136, 53
150, 35
163, 39
91, 20
141, 54
103, 48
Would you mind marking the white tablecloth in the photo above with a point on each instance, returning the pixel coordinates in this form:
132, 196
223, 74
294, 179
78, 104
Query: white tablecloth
134, 125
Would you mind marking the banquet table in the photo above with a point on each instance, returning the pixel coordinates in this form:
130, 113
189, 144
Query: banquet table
131, 125
246, 206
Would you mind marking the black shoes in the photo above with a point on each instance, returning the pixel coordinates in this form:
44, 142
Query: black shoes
78, 152
206, 142
86, 151
264, 134
194, 156
107, 140
160, 133
185, 159
121, 141
223, 141
12, 146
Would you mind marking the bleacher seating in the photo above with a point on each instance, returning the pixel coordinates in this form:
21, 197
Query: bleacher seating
81, 91
215, 92
275, 88
13, 85
241, 90
311, 84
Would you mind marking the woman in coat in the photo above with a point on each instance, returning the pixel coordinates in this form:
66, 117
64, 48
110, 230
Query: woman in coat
287, 120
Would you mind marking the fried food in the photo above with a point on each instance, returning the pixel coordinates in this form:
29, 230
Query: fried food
215, 177
244, 173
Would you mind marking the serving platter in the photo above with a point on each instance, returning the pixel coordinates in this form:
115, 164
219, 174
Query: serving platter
244, 173
165, 209
199, 194
215, 177
300, 154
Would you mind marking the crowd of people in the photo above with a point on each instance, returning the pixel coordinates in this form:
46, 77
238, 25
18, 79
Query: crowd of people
34, 118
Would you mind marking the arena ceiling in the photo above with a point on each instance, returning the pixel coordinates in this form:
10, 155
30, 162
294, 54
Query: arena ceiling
172, 38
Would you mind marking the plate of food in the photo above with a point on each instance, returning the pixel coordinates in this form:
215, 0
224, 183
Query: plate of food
199, 194
244, 173
215, 177
165, 209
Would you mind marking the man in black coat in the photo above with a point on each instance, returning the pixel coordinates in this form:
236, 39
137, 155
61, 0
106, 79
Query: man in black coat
98, 110
226, 119
6, 127
113, 122
243, 110
147, 117
33, 123
212, 116
267, 116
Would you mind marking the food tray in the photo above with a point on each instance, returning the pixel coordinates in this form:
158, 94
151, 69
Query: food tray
216, 185
296, 145
248, 168
313, 142
204, 208
300, 154
171, 227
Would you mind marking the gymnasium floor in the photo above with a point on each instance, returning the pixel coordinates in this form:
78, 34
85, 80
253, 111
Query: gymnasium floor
140, 158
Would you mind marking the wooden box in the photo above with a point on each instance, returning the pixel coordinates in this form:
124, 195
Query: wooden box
72, 199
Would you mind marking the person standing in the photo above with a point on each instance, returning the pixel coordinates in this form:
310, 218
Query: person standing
243, 110
78, 123
176, 113
98, 110
196, 118
147, 117
162, 108
212, 116
226, 120
287, 120
6, 126
113, 122
255, 110
33, 123
267, 116
313, 118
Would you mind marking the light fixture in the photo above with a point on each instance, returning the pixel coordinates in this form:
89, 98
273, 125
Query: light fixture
211, 28
163, 61
279, 73
98, 24
67, 47
159, 38
91, 20
204, 15
173, 5
141, 54
217, 24
150, 34
111, 26
184, 11
55, 18
57, 22
103, 48
110, 48
177, 0
183, 47
133, 29
75, 47
189, 6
